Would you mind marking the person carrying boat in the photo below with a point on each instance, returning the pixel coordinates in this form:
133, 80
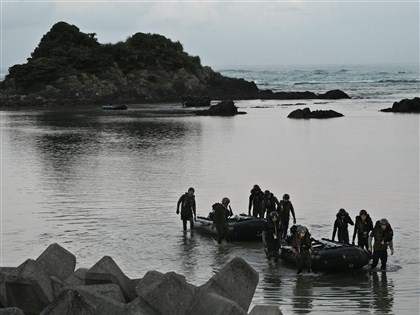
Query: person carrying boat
362, 227
188, 208
256, 200
220, 216
382, 235
270, 203
341, 226
302, 248
285, 209
272, 236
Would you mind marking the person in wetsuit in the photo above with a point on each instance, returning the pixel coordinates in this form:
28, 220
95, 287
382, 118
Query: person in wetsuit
188, 208
270, 203
285, 209
301, 248
341, 226
362, 227
220, 219
272, 236
382, 235
256, 200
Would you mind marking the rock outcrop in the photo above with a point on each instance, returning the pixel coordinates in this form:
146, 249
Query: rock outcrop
306, 113
70, 67
105, 290
224, 108
405, 106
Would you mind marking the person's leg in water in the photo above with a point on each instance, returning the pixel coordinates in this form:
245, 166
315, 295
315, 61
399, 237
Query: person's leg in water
307, 260
375, 258
384, 258
299, 263
191, 223
184, 224
284, 226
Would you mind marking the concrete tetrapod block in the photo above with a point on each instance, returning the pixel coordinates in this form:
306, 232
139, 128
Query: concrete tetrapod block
236, 281
111, 291
106, 298
150, 279
172, 295
77, 278
4, 271
107, 271
266, 310
70, 302
11, 311
139, 307
210, 303
29, 288
57, 261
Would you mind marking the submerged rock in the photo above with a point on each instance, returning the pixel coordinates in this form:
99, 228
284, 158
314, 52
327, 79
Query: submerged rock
306, 113
405, 106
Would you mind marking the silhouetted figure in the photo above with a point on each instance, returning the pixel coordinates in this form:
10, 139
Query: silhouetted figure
362, 227
220, 216
273, 235
382, 235
256, 200
187, 202
341, 226
301, 248
285, 209
270, 204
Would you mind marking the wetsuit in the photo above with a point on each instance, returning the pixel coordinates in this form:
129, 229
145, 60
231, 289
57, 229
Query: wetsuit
303, 256
256, 203
270, 204
286, 208
341, 225
272, 237
382, 240
220, 216
362, 230
188, 209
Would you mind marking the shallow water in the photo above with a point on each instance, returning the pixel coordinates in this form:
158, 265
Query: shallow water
106, 183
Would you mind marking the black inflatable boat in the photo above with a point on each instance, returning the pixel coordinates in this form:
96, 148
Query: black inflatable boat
241, 227
331, 256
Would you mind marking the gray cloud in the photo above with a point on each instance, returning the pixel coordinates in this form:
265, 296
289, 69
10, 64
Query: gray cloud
232, 33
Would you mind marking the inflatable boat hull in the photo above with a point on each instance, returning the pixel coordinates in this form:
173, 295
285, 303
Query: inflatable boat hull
241, 228
331, 256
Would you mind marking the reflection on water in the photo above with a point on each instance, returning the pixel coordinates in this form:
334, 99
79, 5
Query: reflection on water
383, 293
302, 295
188, 253
107, 183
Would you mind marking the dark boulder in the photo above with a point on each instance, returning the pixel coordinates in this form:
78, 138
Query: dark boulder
334, 95
224, 108
405, 106
306, 114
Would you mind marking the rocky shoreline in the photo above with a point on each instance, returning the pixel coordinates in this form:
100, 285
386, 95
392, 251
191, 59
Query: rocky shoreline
50, 285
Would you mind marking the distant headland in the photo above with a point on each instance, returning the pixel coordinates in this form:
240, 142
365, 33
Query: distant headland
70, 67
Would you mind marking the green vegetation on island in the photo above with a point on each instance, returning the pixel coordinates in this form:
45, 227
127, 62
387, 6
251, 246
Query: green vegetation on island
72, 67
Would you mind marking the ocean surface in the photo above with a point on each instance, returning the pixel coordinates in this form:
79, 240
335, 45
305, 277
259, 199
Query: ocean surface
107, 183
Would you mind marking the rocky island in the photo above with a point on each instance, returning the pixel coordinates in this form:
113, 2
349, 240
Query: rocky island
70, 67
405, 106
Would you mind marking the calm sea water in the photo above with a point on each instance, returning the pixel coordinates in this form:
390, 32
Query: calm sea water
106, 183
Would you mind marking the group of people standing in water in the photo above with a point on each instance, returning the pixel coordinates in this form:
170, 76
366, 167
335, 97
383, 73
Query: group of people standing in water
277, 214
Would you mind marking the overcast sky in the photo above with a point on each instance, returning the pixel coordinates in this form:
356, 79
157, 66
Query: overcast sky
232, 33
